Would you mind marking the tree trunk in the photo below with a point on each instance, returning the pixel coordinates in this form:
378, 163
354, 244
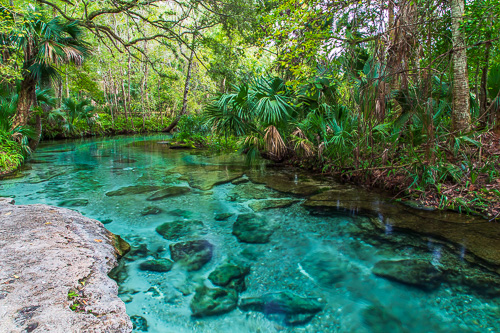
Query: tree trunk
185, 99
67, 83
460, 117
38, 133
129, 69
483, 92
27, 97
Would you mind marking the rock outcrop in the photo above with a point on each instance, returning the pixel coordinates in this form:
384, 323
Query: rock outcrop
54, 272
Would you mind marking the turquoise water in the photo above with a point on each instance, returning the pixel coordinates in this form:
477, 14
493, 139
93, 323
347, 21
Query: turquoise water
325, 256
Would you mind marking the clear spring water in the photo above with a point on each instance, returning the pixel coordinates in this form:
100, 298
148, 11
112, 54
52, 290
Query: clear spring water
78, 174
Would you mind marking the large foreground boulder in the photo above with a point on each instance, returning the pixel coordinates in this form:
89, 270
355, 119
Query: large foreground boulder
54, 266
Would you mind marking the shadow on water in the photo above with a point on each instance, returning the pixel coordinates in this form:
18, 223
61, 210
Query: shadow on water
220, 247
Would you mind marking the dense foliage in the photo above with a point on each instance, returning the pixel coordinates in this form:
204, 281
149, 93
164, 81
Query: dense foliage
402, 95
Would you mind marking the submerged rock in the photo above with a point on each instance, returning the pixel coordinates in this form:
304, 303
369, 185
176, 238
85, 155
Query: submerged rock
139, 323
251, 254
210, 302
240, 181
230, 275
324, 267
177, 229
379, 320
205, 177
181, 213
287, 182
136, 252
171, 191
156, 265
259, 205
119, 273
131, 190
125, 160
418, 273
151, 210
74, 203
295, 309
192, 254
251, 228
222, 216
252, 192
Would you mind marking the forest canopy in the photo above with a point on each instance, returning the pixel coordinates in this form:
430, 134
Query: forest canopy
402, 95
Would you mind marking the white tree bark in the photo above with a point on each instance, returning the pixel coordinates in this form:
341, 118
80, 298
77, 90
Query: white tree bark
461, 120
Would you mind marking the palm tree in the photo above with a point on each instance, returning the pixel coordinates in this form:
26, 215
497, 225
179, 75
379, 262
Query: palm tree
76, 110
45, 44
261, 109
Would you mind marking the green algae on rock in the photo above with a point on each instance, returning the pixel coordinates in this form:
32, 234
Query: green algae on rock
176, 229
260, 205
139, 323
74, 203
418, 273
230, 274
213, 301
192, 254
168, 192
151, 210
131, 190
156, 265
205, 177
222, 216
180, 213
252, 228
120, 245
325, 267
295, 309
286, 181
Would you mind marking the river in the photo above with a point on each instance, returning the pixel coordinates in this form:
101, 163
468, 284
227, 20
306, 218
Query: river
267, 249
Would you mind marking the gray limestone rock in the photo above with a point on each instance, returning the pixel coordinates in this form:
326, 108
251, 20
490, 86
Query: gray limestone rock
45, 252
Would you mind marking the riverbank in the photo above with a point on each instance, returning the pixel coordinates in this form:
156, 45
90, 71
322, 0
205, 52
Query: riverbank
470, 185
53, 276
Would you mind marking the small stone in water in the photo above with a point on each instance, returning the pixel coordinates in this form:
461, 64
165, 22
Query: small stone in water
151, 210
156, 265
139, 323
192, 254
209, 302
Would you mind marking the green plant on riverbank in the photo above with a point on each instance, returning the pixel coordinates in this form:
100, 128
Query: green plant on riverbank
408, 151
11, 153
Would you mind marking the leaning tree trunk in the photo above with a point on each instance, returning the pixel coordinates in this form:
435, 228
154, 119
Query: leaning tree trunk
186, 92
27, 97
460, 117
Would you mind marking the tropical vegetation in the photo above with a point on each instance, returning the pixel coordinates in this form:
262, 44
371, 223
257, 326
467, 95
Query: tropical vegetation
402, 95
